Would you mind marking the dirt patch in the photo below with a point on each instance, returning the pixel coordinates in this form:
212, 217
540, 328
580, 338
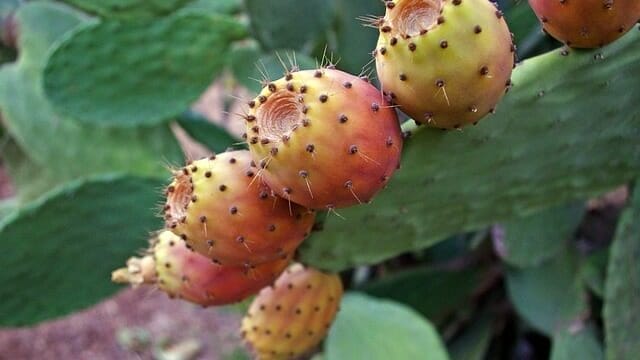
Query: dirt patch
146, 315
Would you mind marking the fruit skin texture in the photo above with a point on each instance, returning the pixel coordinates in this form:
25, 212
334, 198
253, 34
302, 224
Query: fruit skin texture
586, 23
293, 316
325, 139
187, 275
224, 212
447, 63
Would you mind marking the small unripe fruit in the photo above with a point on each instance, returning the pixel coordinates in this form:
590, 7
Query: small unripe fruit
221, 208
187, 275
445, 63
293, 316
323, 138
587, 23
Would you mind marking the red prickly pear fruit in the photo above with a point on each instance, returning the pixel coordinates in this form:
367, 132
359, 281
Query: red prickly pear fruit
185, 274
292, 317
586, 23
446, 63
323, 138
224, 212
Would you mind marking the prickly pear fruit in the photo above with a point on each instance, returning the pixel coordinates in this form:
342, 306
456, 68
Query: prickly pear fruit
224, 212
291, 317
185, 274
586, 23
323, 138
446, 63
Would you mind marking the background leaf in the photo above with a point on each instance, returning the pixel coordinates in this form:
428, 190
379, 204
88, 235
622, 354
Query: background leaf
581, 344
59, 251
367, 328
128, 9
434, 293
287, 24
250, 65
550, 296
474, 342
63, 148
530, 240
622, 287
205, 132
354, 42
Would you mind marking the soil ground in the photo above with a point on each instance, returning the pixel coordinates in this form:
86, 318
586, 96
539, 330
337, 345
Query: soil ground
149, 316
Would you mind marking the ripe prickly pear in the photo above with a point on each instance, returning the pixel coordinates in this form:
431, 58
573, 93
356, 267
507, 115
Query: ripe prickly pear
323, 138
447, 63
185, 274
224, 212
586, 23
293, 316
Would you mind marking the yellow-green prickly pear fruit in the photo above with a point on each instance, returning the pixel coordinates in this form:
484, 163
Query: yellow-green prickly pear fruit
323, 138
293, 316
446, 63
221, 208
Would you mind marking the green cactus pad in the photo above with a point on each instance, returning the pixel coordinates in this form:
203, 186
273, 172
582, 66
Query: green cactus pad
211, 135
58, 251
530, 240
374, 329
622, 287
29, 178
448, 290
580, 343
64, 147
353, 41
143, 72
129, 9
216, 6
559, 135
474, 341
551, 296
286, 24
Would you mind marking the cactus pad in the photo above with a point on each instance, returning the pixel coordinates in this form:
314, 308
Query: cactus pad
75, 149
129, 9
59, 250
143, 72
560, 134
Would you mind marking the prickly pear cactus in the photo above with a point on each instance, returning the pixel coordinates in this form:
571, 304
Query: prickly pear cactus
481, 241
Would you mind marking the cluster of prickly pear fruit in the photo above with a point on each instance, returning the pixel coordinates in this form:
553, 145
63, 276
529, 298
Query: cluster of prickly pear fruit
221, 208
292, 317
446, 63
323, 138
184, 274
587, 23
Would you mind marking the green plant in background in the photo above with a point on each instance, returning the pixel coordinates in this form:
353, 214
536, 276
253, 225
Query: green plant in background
467, 252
